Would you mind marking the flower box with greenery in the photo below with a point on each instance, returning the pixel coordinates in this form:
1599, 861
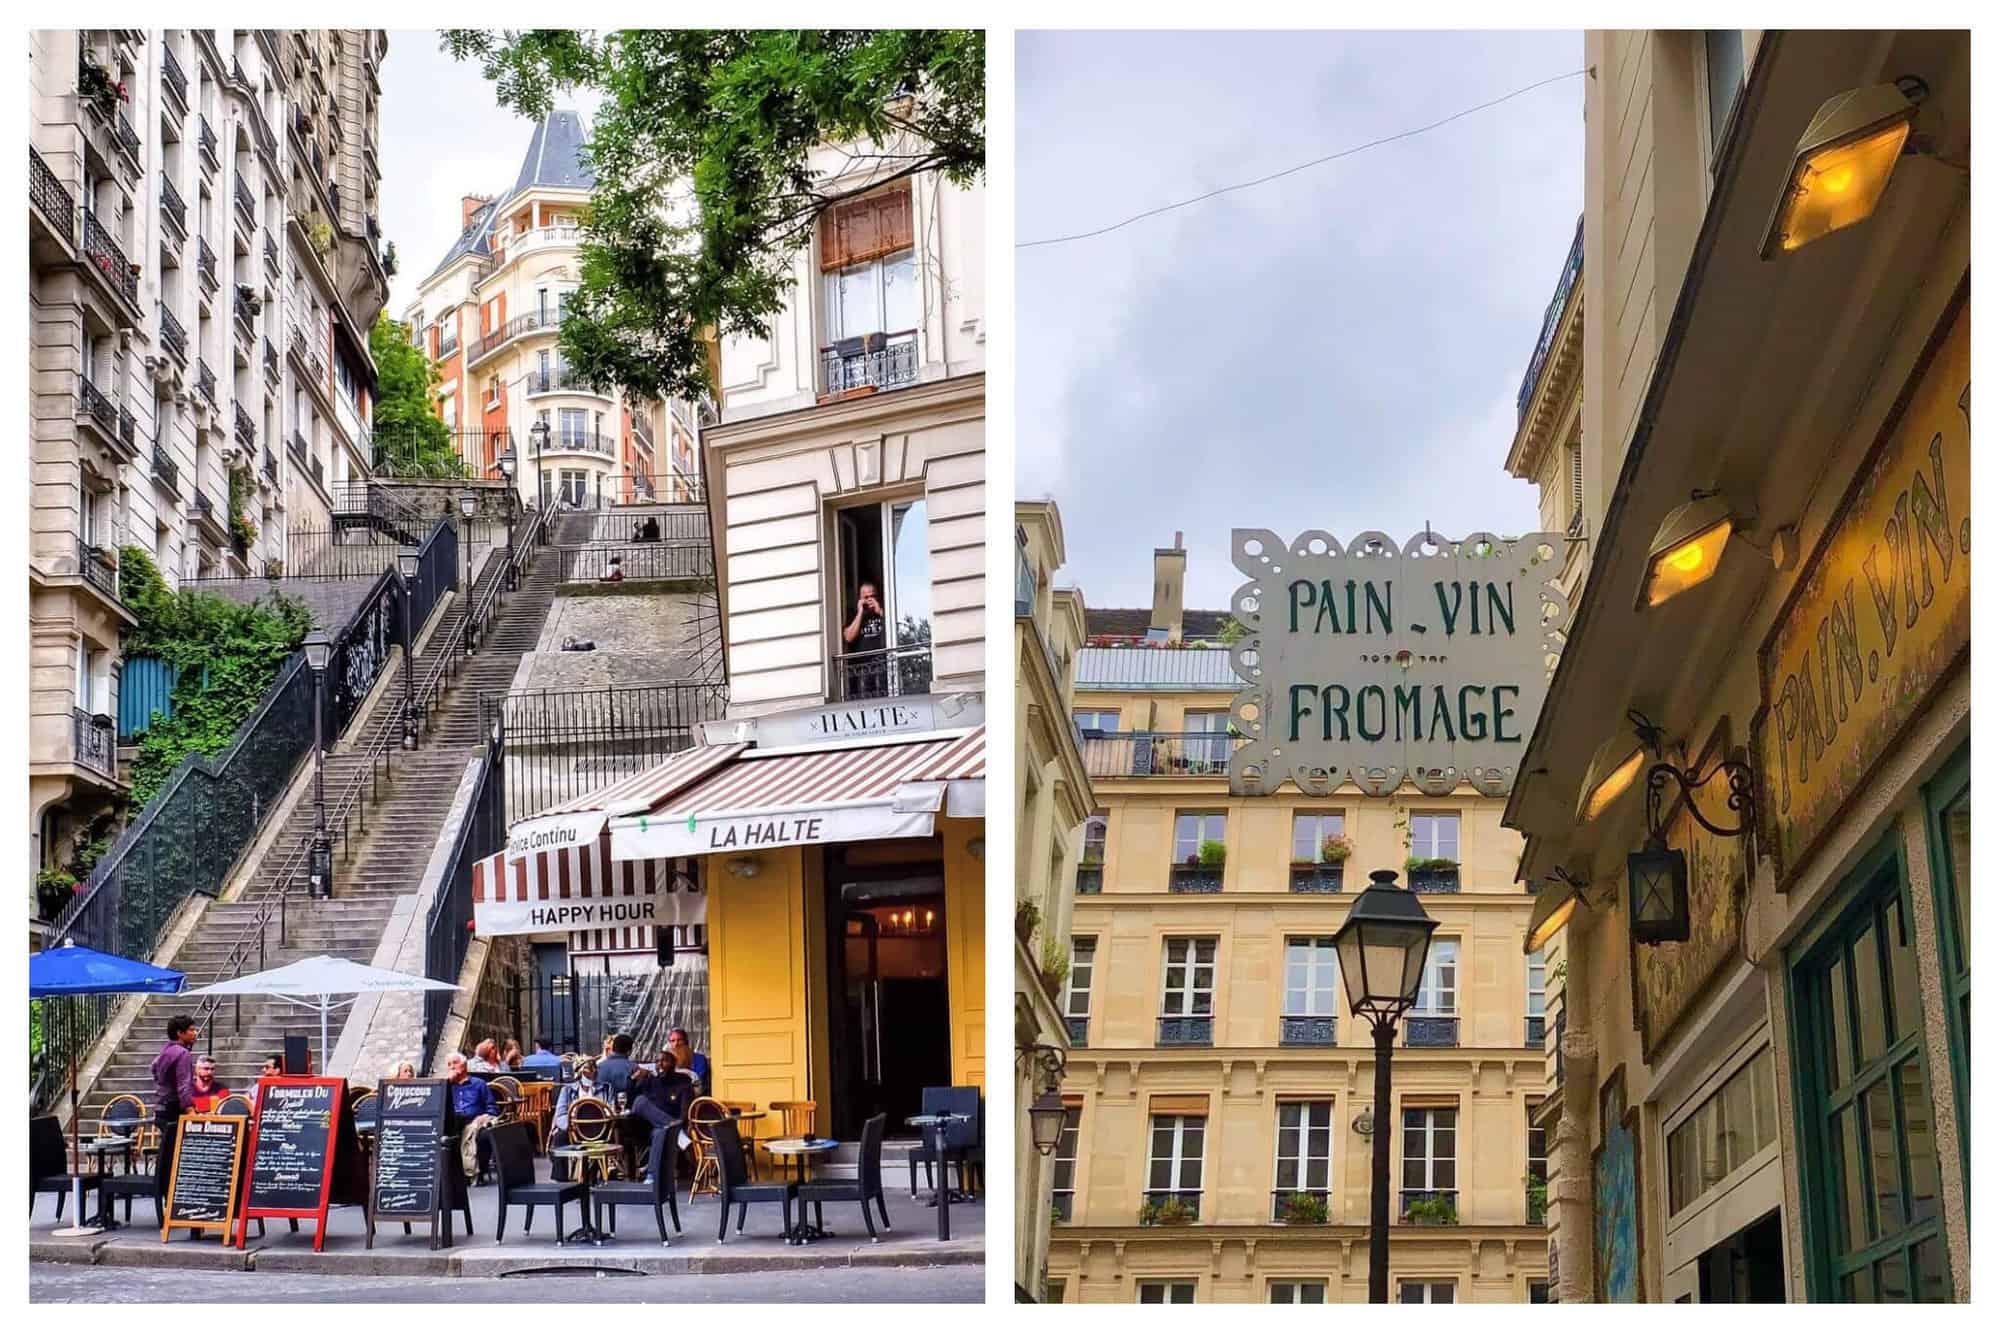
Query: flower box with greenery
53, 889
1302, 1209
1027, 916
242, 532
1054, 968
1166, 1211
1436, 1211
1335, 849
1210, 855
1432, 874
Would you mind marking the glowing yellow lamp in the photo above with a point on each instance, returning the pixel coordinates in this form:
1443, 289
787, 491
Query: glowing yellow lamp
1687, 549
1611, 773
1842, 165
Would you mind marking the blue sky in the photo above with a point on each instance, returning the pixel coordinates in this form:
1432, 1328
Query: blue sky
1338, 349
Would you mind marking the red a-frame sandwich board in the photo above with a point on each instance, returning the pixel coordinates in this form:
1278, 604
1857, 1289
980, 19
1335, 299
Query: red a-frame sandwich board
273, 1090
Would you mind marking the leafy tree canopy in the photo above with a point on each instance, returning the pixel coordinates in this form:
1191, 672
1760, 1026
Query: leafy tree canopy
410, 437
731, 118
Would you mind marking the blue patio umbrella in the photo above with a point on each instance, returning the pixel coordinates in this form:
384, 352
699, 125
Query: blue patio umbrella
71, 969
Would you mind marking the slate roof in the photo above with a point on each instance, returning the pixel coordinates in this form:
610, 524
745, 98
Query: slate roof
554, 160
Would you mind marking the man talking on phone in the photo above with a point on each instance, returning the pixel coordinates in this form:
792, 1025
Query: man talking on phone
866, 636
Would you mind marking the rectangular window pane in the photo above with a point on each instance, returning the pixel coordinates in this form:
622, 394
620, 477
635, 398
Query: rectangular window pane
1724, 51
1870, 1006
899, 293
1919, 1140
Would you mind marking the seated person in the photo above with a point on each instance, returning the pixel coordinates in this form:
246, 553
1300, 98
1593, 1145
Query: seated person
543, 1058
485, 1058
662, 1099
585, 1084
690, 1061
474, 1110
208, 1090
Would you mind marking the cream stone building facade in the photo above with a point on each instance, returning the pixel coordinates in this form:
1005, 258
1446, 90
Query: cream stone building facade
1219, 1140
1776, 1105
488, 316
198, 199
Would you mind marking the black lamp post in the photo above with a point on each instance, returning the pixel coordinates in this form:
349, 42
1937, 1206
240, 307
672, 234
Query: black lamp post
1382, 947
319, 867
407, 562
539, 433
468, 505
507, 467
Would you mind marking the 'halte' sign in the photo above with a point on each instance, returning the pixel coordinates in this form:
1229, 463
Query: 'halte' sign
1379, 665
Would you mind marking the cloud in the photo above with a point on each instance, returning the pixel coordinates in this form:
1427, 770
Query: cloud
1339, 349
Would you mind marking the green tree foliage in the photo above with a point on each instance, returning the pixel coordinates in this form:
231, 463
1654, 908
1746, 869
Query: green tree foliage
732, 115
410, 437
227, 655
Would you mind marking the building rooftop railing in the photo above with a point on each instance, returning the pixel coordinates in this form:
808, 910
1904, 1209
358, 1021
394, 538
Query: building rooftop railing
1572, 269
1154, 754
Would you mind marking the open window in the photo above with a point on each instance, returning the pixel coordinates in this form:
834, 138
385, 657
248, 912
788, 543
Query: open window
883, 642
869, 305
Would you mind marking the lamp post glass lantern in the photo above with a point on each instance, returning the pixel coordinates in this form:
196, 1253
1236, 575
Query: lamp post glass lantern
508, 467
1381, 949
407, 562
1045, 1119
468, 505
539, 433
319, 866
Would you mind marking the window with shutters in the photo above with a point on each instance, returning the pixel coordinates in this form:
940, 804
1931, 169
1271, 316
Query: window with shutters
869, 312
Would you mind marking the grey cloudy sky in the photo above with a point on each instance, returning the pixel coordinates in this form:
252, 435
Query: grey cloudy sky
443, 137
1339, 349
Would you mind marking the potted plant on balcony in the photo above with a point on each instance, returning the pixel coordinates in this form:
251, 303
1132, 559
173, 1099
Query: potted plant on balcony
1302, 1209
1435, 1211
1431, 872
1165, 1212
96, 85
1211, 855
53, 890
1054, 968
1027, 916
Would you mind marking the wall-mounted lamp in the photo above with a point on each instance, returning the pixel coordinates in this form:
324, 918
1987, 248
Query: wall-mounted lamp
1364, 1124
1612, 771
1047, 1112
743, 867
1656, 874
1687, 549
1843, 162
1555, 903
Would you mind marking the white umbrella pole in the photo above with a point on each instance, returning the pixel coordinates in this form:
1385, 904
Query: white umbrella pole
321, 1071
77, 1227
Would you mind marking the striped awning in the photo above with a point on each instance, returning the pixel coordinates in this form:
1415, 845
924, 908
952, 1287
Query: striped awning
579, 823
884, 787
572, 889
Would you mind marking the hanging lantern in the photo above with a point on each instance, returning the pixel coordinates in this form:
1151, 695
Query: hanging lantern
1657, 884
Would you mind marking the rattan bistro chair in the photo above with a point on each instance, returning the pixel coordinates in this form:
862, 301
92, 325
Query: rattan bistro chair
592, 1122
703, 1115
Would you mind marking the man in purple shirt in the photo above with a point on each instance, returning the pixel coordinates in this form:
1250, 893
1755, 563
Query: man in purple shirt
173, 1092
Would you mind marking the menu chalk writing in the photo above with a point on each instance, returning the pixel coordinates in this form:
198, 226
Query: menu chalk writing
410, 1119
288, 1172
208, 1155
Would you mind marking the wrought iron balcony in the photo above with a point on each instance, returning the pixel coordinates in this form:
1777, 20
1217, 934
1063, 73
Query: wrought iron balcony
1551, 319
96, 740
1062, 1204
93, 404
204, 265
99, 567
1194, 879
1079, 1031
246, 205
203, 507
1090, 878
128, 429
1306, 1030
512, 329
1427, 1030
886, 673
128, 140
209, 157
1536, 1031
171, 74
271, 256
874, 361
204, 381
582, 442
1153, 1200
271, 360
172, 336
173, 209
246, 316
165, 470
1575, 528
298, 447
1187, 1030
246, 429
49, 197
109, 258
559, 379
1305, 1214
1154, 754
1318, 877
1441, 1207
1434, 881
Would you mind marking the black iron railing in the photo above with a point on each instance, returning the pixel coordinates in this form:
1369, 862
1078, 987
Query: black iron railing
1153, 754
1079, 1031
1313, 1206
448, 925
1434, 881
1572, 269
1194, 879
1535, 1031
1319, 877
1306, 1030
1429, 1207
165, 469
206, 136
96, 406
175, 80
622, 525
47, 194
99, 567
447, 343
1152, 1201
203, 506
173, 209
874, 361
204, 264
636, 560
172, 336
562, 744
297, 444
649, 488
337, 553
270, 466
108, 257
581, 442
128, 140
1187, 1030
271, 360
246, 316
95, 736
204, 381
560, 379
128, 429
246, 205
885, 673
271, 255
246, 429
362, 652
1090, 879
1423, 1030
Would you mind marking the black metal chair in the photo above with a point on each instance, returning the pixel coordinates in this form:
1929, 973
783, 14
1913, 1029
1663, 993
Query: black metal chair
656, 1190
864, 1187
514, 1165
733, 1177
48, 1165
964, 1140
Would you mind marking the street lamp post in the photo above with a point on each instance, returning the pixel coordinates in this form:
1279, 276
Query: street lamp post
1382, 947
468, 505
507, 467
407, 562
319, 866
539, 433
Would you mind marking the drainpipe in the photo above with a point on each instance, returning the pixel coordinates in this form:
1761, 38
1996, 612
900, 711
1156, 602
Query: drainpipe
1576, 1129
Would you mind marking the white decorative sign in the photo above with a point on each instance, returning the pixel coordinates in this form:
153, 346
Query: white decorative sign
1379, 665
854, 720
732, 834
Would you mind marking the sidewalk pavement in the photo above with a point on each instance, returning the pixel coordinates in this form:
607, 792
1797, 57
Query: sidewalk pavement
912, 1243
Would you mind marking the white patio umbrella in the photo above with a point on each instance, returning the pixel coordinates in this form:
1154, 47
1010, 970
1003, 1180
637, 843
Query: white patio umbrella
312, 983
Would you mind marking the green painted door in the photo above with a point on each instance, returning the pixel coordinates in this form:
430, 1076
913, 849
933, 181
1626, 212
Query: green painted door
1948, 808
1869, 1160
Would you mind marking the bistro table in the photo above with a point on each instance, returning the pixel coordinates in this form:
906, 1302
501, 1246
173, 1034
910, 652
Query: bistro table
802, 1232
101, 1147
580, 1153
942, 1192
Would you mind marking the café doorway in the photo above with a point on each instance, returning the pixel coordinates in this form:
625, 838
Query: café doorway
889, 990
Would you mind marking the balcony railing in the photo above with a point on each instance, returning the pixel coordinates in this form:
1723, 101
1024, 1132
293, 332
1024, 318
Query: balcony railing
173, 209
1434, 1214
1194, 879
271, 360
447, 344
886, 673
1302, 1214
96, 740
246, 315
1152, 1200
99, 567
246, 429
270, 466
172, 336
1090, 879
128, 140
582, 442
246, 206
876, 361
1306, 1030
559, 379
1551, 318
176, 81
204, 381
97, 407
206, 136
1319, 877
109, 257
298, 447
128, 429
203, 506
1079, 1031
165, 470
1434, 881
1187, 1030
47, 194
1152, 754
513, 328
204, 265
1422, 1030
635, 560
271, 256
1536, 1030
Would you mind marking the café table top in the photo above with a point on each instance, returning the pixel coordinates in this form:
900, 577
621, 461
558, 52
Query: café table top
941, 1118
585, 1150
799, 1147
108, 1143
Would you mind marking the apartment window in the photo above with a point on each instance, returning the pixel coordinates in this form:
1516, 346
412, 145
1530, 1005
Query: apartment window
1722, 54
543, 380
1427, 1291
1062, 1198
1727, 1129
1089, 721
1311, 829
1312, 977
1305, 1152
1174, 1168
1178, 1292
1082, 965
1430, 1151
868, 259
1438, 996
1095, 830
1434, 837
1205, 746
573, 427
1192, 829
1298, 1293
1538, 1164
573, 486
492, 390
1052, 1291
1538, 1293
1538, 999
885, 647
1189, 986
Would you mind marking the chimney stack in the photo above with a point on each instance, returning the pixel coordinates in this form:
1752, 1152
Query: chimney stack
467, 206
1169, 575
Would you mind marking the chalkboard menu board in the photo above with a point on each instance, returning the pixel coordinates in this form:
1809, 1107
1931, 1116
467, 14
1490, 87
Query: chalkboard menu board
208, 1157
410, 1116
292, 1149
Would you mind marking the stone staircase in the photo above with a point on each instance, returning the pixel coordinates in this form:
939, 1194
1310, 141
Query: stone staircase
372, 870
